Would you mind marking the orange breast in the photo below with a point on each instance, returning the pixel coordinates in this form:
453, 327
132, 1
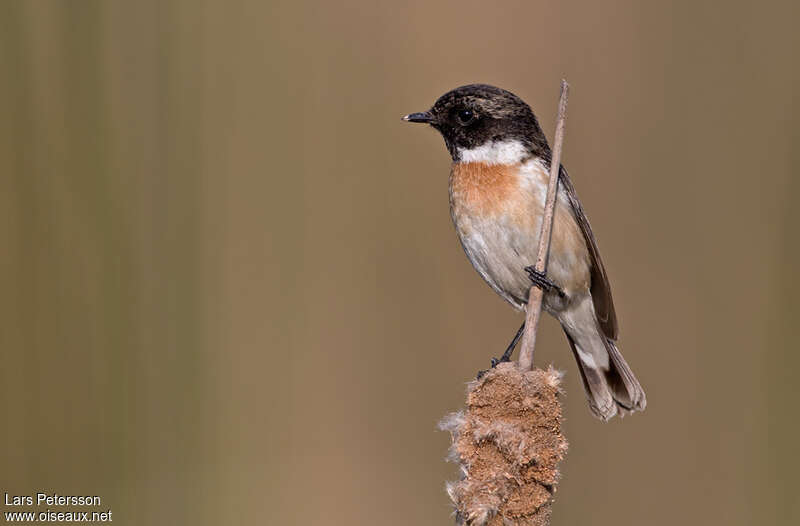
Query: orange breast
483, 189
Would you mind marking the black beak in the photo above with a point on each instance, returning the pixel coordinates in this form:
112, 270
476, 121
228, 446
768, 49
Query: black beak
424, 116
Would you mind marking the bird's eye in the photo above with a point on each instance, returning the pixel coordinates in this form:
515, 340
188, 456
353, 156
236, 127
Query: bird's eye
465, 117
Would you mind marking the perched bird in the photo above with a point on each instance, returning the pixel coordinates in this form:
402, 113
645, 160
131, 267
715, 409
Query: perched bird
498, 185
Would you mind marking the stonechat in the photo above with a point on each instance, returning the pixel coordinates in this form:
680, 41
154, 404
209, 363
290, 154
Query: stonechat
498, 185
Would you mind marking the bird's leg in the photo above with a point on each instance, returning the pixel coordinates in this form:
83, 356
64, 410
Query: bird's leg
541, 281
509, 350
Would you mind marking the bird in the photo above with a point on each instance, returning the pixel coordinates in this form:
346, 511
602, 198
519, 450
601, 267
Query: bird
497, 190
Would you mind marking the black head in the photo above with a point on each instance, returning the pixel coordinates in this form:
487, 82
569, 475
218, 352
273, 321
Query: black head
475, 115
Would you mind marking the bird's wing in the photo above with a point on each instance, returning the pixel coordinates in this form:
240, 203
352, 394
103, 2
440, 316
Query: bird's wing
600, 288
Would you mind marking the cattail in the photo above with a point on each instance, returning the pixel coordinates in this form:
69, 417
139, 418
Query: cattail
508, 444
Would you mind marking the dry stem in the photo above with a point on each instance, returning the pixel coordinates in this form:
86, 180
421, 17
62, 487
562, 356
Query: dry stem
535, 295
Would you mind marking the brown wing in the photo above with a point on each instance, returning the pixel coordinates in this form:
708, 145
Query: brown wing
601, 289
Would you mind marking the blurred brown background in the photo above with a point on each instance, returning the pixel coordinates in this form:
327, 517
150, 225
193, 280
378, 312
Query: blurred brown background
230, 291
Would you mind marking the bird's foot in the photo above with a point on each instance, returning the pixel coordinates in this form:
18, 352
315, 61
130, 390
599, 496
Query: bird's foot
497, 361
494, 363
543, 282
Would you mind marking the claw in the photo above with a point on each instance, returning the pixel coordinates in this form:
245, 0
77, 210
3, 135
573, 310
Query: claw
541, 280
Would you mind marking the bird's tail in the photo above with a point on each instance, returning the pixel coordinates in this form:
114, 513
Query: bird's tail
610, 385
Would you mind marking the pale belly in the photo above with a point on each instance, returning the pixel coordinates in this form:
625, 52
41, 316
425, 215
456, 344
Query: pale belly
501, 240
